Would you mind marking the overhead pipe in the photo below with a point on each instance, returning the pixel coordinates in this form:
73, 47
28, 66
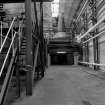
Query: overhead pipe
101, 33
92, 28
95, 64
82, 10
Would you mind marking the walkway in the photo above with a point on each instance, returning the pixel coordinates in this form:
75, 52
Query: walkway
66, 85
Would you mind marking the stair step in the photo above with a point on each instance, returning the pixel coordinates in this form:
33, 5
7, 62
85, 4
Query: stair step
24, 41
22, 53
23, 47
23, 44
21, 59
24, 37
23, 50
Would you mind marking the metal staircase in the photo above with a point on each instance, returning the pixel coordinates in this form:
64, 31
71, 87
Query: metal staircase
14, 55
8, 58
13, 60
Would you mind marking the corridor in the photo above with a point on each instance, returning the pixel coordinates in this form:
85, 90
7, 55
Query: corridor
67, 85
52, 52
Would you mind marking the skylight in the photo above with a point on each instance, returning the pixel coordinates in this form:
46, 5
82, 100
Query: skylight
55, 8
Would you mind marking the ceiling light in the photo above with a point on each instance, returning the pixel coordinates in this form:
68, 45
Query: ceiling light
61, 52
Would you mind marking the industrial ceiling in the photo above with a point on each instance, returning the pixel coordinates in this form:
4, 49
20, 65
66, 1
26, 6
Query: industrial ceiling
68, 9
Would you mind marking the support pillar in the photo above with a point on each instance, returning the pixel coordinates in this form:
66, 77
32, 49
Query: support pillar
42, 47
29, 60
76, 57
49, 60
92, 4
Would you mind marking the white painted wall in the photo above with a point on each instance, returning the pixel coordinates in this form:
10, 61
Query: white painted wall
101, 27
100, 15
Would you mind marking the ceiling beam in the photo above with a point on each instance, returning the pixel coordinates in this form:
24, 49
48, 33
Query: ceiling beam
22, 1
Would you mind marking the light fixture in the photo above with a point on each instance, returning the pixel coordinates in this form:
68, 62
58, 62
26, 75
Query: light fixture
61, 52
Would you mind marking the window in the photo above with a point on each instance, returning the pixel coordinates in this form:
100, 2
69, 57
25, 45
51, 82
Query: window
55, 8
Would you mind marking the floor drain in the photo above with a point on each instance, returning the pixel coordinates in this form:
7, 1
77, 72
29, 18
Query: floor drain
86, 103
50, 78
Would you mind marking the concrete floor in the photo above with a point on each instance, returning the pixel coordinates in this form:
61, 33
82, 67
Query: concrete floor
66, 85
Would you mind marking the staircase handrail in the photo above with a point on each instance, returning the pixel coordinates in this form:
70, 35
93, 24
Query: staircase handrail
10, 70
5, 86
7, 54
7, 34
11, 44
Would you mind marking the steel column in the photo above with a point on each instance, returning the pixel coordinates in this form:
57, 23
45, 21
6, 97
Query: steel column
42, 47
29, 60
36, 20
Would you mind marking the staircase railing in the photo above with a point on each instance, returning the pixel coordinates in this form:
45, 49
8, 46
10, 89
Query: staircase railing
1, 33
7, 34
12, 49
8, 53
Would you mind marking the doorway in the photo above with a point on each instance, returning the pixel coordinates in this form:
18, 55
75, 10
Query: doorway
62, 59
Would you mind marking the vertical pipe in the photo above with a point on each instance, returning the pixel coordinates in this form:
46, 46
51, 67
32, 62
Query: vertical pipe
37, 31
1, 33
29, 60
36, 19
